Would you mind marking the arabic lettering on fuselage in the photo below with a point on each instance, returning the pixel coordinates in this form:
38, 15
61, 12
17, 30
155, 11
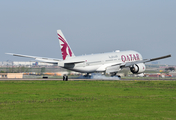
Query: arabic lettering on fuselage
130, 57
115, 56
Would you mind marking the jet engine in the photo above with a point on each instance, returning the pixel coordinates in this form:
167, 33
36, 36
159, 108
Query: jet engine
138, 68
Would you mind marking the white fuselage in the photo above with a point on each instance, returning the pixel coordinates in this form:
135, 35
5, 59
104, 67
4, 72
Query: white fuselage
100, 62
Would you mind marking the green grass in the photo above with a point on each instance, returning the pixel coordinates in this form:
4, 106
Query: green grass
58, 100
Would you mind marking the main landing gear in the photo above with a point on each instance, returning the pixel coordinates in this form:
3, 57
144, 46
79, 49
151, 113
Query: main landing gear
114, 75
87, 76
65, 78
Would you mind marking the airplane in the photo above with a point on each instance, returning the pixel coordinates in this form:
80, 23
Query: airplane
111, 62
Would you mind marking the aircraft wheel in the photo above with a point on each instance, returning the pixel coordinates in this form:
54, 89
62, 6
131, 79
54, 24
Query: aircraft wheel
119, 76
113, 74
64, 78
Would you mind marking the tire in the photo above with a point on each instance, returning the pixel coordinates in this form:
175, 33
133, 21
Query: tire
64, 78
119, 76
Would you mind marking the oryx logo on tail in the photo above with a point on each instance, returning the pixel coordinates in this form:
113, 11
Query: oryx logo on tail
65, 49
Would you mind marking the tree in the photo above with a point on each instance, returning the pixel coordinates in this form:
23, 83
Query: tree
2, 71
42, 70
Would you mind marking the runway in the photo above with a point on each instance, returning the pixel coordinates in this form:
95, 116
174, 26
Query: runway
16, 79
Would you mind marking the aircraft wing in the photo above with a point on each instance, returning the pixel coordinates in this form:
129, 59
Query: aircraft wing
119, 66
43, 59
128, 64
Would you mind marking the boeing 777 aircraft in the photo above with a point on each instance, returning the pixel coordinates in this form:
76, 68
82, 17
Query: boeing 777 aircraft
111, 62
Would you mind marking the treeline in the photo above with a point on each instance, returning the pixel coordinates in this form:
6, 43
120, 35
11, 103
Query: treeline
14, 69
23, 69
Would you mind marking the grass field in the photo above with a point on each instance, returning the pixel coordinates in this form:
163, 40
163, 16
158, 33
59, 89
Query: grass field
57, 100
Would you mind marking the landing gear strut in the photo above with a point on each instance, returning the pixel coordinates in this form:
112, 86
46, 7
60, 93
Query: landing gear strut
65, 78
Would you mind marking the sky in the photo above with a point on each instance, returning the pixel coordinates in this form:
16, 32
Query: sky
94, 26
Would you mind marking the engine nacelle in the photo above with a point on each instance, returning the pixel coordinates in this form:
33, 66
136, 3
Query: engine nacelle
138, 68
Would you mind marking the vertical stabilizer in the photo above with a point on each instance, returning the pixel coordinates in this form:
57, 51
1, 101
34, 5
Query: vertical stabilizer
65, 48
